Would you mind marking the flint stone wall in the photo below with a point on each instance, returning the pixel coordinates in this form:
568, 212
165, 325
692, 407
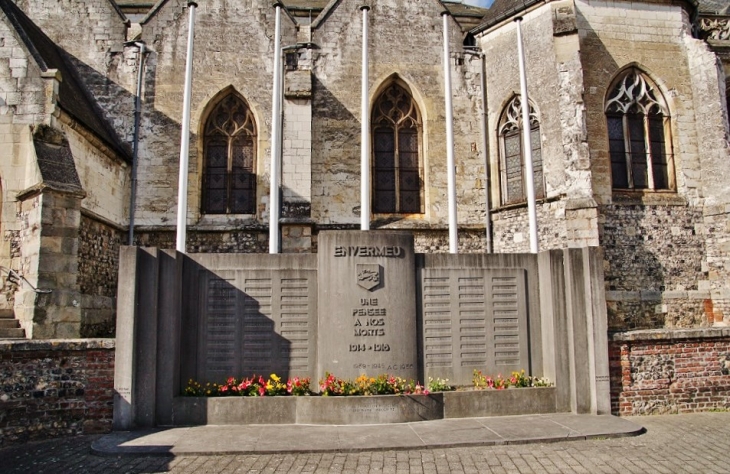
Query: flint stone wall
656, 268
55, 388
670, 371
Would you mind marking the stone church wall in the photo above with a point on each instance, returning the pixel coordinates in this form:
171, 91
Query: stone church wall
654, 261
105, 178
98, 258
416, 60
554, 78
708, 83
657, 270
233, 49
95, 44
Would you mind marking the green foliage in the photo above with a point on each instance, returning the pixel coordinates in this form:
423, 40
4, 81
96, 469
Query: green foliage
439, 385
516, 379
255, 386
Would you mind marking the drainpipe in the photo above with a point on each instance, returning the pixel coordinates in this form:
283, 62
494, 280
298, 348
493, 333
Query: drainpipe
143, 51
451, 171
527, 142
274, 185
365, 179
485, 144
182, 193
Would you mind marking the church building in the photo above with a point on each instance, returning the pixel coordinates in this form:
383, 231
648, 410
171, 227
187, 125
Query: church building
628, 146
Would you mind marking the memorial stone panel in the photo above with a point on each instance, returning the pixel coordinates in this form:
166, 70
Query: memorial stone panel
473, 319
367, 301
257, 322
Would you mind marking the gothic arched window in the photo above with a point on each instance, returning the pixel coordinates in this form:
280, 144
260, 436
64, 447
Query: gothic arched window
512, 163
397, 167
229, 177
638, 134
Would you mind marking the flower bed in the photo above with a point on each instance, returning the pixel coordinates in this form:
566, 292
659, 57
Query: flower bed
384, 399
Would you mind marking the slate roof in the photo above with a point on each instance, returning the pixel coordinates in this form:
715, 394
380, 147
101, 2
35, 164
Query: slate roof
715, 6
467, 15
55, 160
305, 4
73, 97
503, 9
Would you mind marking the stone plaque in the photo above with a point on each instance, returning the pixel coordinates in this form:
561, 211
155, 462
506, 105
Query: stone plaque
257, 322
367, 304
474, 319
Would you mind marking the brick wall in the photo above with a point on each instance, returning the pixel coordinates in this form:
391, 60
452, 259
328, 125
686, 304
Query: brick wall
665, 371
55, 388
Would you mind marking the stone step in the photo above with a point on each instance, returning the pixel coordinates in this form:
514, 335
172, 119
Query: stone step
9, 323
12, 333
7, 314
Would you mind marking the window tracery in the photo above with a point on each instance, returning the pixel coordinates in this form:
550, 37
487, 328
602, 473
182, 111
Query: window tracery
638, 134
512, 163
397, 168
229, 179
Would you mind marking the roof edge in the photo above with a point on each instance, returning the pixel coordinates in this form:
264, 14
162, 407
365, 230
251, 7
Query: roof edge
526, 5
153, 11
23, 35
325, 12
120, 12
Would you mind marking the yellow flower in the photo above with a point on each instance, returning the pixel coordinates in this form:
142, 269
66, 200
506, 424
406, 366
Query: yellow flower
275, 378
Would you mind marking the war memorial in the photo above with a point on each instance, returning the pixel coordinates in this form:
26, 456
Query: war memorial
421, 188
364, 304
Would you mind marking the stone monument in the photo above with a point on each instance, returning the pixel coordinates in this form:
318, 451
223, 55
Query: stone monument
367, 305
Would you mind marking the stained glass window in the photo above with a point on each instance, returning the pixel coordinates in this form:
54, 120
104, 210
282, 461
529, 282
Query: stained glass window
229, 180
397, 168
512, 163
638, 134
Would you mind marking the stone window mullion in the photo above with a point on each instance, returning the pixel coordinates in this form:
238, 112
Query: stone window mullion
647, 145
627, 145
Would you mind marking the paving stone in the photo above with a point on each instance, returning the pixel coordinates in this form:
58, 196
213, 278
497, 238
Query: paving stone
672, 444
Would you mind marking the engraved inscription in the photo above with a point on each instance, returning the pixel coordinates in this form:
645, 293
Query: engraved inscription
367, 324
221, 326
365, 251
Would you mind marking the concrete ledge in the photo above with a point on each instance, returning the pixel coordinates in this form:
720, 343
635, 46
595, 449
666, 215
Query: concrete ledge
30, 345
670, 334
191, 411
361, 410
515, 401
378, 409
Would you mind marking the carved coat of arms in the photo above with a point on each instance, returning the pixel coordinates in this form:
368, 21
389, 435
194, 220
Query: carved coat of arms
368, 275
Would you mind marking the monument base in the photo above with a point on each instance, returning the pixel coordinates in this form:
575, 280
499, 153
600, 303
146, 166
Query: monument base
361, 410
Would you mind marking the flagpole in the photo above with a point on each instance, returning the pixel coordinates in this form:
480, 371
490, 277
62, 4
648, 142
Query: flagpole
527, 142
365, 178
275, 139
451, 171
182, 192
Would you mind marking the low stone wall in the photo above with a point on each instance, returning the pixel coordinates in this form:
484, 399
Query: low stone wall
52, 388
359, 410
669, 371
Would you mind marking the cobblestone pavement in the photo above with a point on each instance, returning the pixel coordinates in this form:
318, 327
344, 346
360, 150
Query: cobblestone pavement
691, 443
